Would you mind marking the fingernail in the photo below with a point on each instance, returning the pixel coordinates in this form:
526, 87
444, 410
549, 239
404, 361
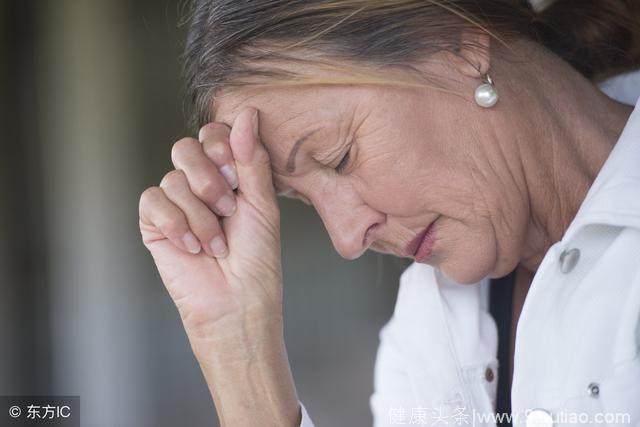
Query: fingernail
226, 205
218, 247
229, 173
191, 242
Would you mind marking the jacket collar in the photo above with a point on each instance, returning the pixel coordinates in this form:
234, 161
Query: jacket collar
614, 197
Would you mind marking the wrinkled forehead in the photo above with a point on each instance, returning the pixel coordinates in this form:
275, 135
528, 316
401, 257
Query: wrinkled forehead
226, 106
276, 104
277, 108
285, 114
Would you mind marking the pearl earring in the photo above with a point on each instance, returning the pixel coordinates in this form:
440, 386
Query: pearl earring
486, 94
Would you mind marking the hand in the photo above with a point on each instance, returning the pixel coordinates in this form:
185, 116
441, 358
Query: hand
221, 265
229, 294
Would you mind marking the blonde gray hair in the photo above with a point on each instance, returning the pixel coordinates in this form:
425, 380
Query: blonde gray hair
235, 43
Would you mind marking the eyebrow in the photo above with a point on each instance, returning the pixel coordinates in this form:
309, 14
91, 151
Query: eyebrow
291, 161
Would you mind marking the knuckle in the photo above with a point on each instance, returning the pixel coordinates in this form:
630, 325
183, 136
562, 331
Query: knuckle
173, 179
181, 147
209, 189
150, 194
216, 150
173, 225
147, 198
214, 130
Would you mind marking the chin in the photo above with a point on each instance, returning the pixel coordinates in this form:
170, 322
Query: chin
463, 277
471, 264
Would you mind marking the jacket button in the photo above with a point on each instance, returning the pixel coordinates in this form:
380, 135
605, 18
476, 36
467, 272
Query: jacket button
539, 418
568, 260
488, 374
594, 389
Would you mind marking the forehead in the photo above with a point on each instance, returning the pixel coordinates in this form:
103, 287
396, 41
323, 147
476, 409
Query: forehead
288, 96
280, 104
287, 114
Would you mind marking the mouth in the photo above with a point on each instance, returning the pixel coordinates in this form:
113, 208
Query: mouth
421, 246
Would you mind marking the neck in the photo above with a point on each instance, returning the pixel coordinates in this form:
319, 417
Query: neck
563, 146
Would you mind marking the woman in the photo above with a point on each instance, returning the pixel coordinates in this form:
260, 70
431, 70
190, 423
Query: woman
465, 135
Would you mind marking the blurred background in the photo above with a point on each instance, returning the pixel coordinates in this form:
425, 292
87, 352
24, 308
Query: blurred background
91, 104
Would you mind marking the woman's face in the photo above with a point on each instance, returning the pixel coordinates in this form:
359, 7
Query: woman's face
380, 164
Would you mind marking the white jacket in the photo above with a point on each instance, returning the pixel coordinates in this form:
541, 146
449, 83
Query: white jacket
577, 352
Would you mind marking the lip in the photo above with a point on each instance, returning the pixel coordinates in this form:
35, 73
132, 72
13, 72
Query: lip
421, 246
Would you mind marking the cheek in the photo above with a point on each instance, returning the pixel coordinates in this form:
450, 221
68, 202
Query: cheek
485, 229
394, 191
399, 181
466, 254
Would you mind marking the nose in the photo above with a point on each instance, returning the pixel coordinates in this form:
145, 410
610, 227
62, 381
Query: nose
347, 219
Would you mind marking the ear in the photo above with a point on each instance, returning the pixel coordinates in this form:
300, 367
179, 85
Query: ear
473, 58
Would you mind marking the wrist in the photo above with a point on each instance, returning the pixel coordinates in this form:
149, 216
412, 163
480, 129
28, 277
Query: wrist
239, 337
252, 383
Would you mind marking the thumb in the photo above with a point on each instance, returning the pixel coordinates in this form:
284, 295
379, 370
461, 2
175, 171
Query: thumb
252, 160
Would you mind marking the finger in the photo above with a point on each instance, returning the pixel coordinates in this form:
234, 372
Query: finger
214, 138
158, 211
201, 220
204, 179
252, 160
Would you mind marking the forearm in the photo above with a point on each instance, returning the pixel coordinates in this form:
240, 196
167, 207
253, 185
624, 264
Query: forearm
250, 379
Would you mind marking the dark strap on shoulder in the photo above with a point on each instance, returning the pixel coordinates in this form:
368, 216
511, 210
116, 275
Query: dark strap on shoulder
501, 308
